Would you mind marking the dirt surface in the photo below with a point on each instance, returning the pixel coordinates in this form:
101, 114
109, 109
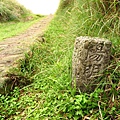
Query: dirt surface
12, 49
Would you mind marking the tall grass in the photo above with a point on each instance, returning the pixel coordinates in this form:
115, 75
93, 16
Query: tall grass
48, 65
11, 10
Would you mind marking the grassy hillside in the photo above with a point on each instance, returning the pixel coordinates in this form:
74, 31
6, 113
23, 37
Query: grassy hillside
11, 10
48, 65
13, 17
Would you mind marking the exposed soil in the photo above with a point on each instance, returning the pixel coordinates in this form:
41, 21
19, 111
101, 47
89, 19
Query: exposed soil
12, 49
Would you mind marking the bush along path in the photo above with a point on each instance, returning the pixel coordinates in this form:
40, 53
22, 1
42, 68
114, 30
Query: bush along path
12, 49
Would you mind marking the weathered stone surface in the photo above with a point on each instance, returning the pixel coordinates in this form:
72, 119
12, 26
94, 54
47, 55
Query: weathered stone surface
90, 57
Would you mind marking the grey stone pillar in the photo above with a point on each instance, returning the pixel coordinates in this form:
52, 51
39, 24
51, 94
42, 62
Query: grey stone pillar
90, 57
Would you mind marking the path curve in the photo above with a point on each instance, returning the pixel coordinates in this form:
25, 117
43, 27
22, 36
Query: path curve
12, 49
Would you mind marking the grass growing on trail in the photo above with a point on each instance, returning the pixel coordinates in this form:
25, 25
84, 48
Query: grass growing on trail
48, 64
10, 29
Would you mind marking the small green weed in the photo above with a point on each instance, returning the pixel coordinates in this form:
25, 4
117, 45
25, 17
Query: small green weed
9, 104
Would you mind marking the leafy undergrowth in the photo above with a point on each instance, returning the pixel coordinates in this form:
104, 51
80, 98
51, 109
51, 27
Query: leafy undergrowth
48, 65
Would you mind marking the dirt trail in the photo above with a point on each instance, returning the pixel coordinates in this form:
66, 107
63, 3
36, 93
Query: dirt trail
12, 49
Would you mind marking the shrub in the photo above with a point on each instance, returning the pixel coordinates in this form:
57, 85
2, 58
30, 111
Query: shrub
11, 10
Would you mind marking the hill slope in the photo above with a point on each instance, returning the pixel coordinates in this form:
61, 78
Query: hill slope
11, 10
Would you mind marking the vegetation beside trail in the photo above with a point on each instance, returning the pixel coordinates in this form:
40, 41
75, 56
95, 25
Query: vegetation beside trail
48, 65
10, 29
13, 17
11, 10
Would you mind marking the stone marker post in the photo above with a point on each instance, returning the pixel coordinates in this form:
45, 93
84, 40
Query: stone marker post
90, 57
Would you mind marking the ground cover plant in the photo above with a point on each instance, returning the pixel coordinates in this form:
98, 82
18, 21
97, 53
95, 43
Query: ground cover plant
48, 65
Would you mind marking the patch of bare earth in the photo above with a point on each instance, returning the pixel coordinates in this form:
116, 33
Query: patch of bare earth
12, 49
